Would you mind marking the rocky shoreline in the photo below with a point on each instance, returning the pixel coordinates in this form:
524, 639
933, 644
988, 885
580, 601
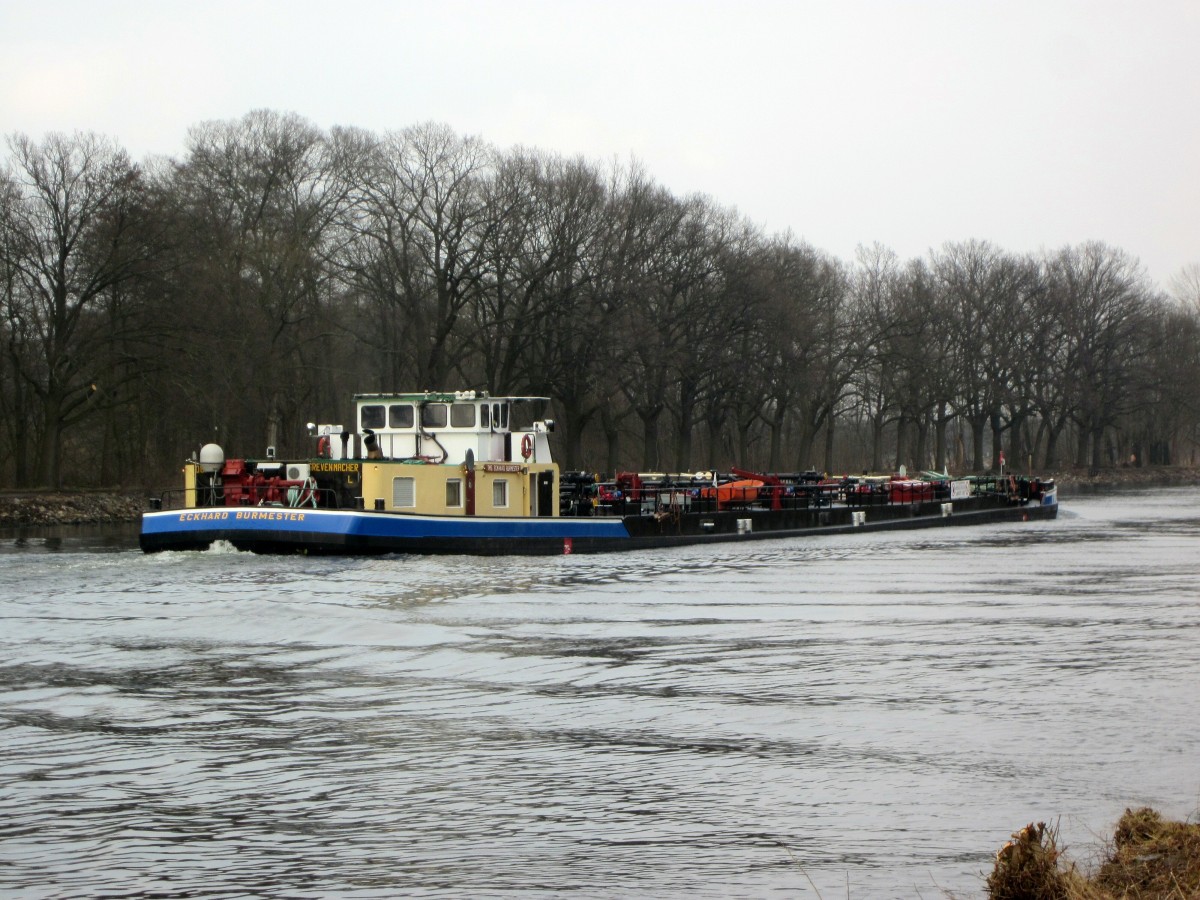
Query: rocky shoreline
22, 509
1070, 480
25, 509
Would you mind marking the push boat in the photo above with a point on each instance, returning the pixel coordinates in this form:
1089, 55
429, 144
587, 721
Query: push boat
452, 473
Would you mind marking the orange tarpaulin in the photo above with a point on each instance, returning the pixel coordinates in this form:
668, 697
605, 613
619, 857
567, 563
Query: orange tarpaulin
733, 493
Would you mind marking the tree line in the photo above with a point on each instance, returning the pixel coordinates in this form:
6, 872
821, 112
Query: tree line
275, 269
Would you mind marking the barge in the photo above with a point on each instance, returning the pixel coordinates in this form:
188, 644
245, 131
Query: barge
436, 472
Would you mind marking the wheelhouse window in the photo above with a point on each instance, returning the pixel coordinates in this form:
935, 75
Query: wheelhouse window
462, 415
404, 493
400, 415
372, 416
454, 493
485, 420
500, 493
433, 415
500, 416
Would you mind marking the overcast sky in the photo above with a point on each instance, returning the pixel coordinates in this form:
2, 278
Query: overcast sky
1029, 124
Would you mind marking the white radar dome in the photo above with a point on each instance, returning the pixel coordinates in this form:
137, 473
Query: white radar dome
212, 457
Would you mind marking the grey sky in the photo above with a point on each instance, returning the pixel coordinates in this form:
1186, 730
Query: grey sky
1029, 124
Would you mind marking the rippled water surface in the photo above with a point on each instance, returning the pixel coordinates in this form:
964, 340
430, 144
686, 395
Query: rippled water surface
868, 715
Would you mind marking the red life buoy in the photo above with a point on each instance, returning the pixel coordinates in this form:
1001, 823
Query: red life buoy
527, 446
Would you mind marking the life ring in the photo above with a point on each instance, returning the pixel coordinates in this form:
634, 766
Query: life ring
527, 446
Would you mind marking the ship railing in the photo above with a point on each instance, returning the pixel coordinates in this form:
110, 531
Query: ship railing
1016, 488
663, 496
673, 499
207, 498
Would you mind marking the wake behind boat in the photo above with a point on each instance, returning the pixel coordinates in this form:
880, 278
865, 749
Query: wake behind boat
449, 473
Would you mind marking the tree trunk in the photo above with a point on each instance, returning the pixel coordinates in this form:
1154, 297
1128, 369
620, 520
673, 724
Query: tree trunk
650, 440
877, 442
804, 459
744, 439
1081, 448
612, 440
50, 452
683, 442
273, 419
977, 425
714, 440
1042, 432
1018, 458
776, 441
1053, 432
573, 439
941, 422
1097, 448
997, 439
920, 457
829, 444
18, 432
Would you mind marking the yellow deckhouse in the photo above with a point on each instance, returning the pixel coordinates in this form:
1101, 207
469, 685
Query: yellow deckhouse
449, 454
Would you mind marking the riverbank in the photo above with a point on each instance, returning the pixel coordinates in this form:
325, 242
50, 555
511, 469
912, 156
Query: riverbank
95, 507
1152, 476
43, 508
1148, 857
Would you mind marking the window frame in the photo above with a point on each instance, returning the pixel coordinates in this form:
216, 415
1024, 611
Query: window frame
412, 486
378, 414
428, 418
398, 408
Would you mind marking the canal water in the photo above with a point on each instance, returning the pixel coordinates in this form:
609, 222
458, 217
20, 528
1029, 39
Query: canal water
866, 716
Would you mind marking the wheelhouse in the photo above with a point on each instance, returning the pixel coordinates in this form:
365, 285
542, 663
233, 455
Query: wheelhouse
450, 428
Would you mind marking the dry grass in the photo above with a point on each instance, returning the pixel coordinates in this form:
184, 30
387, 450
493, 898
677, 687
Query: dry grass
1152, 859
1031, 867
1148, 859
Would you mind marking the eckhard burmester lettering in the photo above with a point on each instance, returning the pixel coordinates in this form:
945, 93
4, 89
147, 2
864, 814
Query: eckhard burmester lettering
267, 515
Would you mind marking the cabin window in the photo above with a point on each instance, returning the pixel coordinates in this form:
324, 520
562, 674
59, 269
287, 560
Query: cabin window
400, 415
433, 415
372, 416
454, 492
462, 415
500, 493
404, 493
485, 420
500, 415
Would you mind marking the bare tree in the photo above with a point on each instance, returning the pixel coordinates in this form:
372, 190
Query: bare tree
652, 278
414, 252
257, 196
1103, 297
983, 288
559, 305
1185, 286
71, 244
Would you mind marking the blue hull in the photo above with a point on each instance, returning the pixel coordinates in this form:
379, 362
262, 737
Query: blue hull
348, 531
